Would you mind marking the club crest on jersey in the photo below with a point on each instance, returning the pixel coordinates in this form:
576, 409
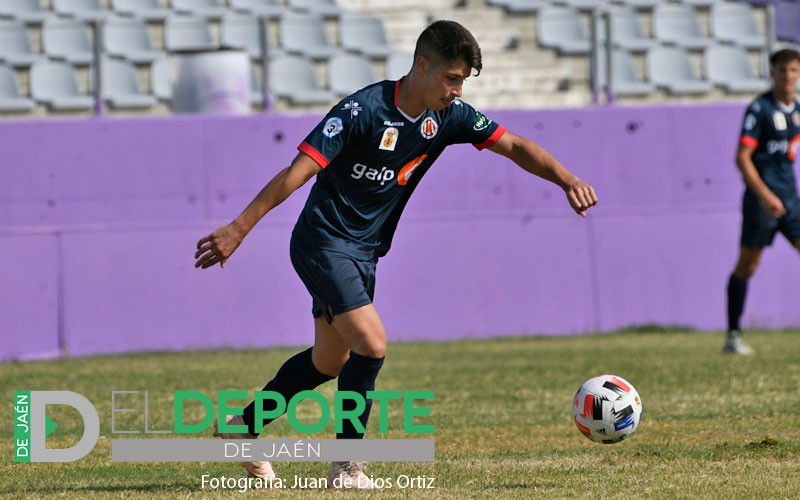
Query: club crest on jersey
481, 122
389, 139
779, 119
332, 127
796, 118
429, 128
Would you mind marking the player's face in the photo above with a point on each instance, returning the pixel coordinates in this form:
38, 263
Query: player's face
785, 77
443, 84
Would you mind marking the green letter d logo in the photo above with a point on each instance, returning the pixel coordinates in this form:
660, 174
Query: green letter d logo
91, 426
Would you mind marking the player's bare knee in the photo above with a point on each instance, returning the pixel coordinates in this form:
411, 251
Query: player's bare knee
330, 365
747, 265
750, 270
745, 271
328, 369
331, 371
376, 349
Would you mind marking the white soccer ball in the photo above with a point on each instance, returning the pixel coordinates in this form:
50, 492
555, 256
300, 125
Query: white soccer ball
607, 409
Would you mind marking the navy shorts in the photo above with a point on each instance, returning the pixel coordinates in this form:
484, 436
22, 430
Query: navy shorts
336, 281
759, 228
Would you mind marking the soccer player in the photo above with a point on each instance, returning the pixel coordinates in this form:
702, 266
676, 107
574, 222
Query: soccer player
368, 154
768, 146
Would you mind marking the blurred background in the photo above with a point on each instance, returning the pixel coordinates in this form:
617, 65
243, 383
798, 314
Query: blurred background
131, 128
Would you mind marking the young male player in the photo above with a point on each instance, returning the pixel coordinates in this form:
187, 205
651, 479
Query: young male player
768, 147
368, 155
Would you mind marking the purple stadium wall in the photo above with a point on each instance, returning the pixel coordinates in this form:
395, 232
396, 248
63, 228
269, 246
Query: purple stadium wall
99, 219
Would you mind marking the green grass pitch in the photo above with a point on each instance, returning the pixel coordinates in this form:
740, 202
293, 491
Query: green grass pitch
713, 426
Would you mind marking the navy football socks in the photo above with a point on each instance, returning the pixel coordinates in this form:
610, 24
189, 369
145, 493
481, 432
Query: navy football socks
737, 291
297, 374
358, 375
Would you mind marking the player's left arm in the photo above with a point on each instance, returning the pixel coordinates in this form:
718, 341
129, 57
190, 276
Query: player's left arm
538, 161
218, 246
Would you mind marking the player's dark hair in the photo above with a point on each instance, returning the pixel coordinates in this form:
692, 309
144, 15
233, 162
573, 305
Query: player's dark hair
783, 56
445, 42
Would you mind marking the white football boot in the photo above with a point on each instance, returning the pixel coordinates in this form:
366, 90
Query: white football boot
735, 344
349, 475
261, 470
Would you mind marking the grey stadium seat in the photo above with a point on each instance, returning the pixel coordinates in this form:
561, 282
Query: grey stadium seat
242, 31
256, 92
364, 33
10, 97
120, 84
129, 39
67, 39
293, 78
670, 68
580, 4
519, 6
54, 83
161, 78
737, 23
639, 4
15, 45
149, 10
85, 10
187, 33
27, 11
266, 8
398, 65
213, 9
561, 28
324, 8
626, 30
625, 80
702, 3
679, 25
305, 34
730, 68
348, 73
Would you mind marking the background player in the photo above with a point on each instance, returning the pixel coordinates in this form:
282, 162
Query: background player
768, 146
368, 155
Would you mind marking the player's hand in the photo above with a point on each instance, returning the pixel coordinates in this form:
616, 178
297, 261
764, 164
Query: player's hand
581, 197
218, 246
773, 205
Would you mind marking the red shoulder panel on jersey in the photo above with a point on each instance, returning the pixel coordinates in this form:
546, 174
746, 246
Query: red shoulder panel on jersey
308, 149
492, 140
794, 147
746, 140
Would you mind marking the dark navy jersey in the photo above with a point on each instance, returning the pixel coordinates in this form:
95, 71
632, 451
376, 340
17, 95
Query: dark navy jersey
373, 156
773, 129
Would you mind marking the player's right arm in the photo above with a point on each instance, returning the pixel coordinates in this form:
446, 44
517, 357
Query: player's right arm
538, 161
769, 200
218, 246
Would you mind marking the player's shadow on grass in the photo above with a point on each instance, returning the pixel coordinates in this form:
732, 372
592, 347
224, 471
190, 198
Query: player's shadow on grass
156, 487
656, 328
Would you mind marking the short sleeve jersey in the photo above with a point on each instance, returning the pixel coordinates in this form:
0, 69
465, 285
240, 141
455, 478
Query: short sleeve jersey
774, 131
373, 156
